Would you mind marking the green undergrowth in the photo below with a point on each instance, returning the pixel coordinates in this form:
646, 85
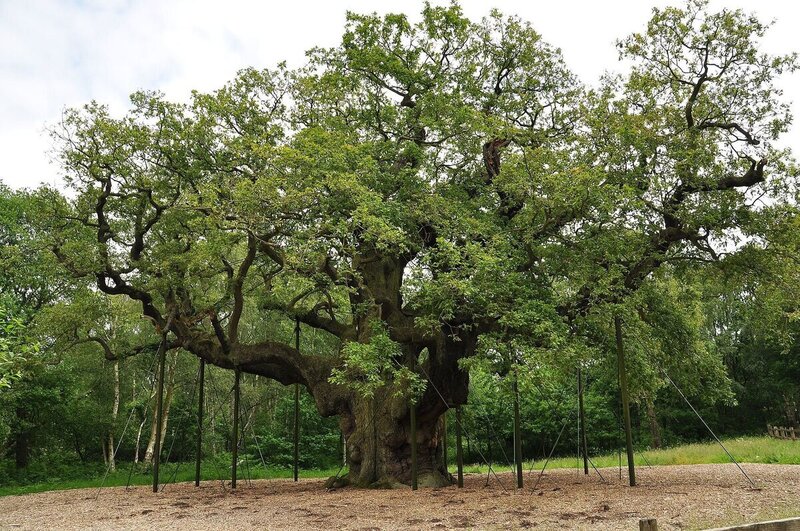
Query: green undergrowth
745, 450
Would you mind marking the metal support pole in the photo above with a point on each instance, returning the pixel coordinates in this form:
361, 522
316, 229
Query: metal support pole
582, 415
752, 483
444, 444
489, 455
459, 450
296, 407
626, 410
413, 414
296, 458
162, 355
235, 452
517, 431
374, 440
200, 402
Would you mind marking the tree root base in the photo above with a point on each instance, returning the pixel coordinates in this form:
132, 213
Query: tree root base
337, 482
427, 480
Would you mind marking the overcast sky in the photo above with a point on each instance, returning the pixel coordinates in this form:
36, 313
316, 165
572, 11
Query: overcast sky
62, 53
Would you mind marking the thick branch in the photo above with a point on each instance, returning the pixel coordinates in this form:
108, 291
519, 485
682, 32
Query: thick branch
661, 242
141, 230
313, 319
107, 352
120, 287
698, 85
220, 333
269, 359
729, 126
238, 282
491, 160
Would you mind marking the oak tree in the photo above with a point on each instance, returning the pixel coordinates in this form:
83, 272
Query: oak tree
418, 192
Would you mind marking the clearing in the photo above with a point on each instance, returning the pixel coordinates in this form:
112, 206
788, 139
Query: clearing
692, 496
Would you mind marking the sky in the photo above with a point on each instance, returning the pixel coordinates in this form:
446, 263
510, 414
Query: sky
58, 54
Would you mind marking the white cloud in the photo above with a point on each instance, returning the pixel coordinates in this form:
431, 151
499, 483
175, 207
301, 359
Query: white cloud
56, 54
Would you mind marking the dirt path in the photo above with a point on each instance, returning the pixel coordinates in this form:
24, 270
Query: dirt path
679, 496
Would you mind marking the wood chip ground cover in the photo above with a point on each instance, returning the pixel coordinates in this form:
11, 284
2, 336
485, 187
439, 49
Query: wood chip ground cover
680, 497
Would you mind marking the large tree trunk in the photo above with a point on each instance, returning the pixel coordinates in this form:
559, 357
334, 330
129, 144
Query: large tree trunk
378, 435
377, 430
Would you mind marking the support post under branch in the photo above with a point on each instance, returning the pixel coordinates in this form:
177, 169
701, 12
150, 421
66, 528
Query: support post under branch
199, 451
623, 389
162, 357
235, 437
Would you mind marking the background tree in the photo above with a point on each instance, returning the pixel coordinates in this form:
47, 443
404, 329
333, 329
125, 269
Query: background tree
29, 280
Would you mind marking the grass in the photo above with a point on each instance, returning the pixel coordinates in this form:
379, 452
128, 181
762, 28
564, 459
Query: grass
745, 450
170, 473
778, 512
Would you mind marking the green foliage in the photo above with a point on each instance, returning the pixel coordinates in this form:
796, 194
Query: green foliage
17, 348
273, 440
368, 366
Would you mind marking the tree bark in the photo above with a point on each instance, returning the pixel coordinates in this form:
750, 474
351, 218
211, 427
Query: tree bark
139, 439
652, 419
377, 429
378, 442
169, 387
22, 440
114, 413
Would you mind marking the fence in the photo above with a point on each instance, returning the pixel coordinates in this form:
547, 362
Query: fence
780, 432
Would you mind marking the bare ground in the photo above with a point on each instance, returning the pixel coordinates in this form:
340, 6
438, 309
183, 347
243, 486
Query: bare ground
679, 496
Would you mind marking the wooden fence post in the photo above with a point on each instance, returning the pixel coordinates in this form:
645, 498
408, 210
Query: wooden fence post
517, 432
459, 450
582, 418
200, 402
623, 391
235, 436
648, 524
162, 361
413, 421
444, 445
296, 434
